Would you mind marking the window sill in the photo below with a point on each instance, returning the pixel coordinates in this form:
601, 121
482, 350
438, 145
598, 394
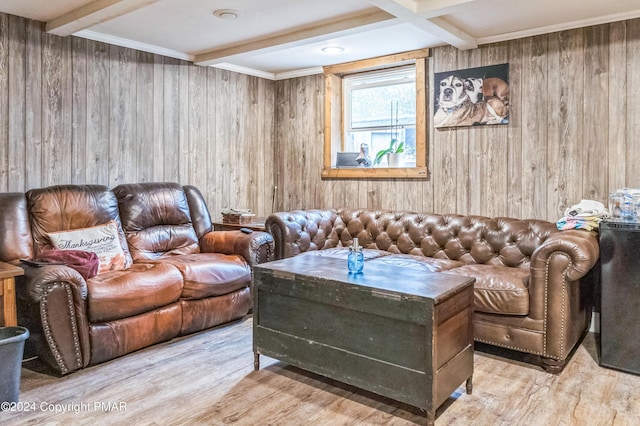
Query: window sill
375, 173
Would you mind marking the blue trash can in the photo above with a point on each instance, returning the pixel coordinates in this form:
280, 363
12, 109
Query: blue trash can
11, 351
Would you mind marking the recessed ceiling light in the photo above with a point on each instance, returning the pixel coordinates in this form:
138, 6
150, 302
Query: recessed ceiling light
227, 13
332, 50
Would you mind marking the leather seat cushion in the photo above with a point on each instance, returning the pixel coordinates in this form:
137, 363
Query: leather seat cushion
343, 252
428, 264
210, 274
498, 289
140, 288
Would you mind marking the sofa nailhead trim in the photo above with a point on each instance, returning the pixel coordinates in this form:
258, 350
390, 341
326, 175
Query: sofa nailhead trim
564, 302
564, 305
562, 322
509, 347
563, 310
254, 250
74, 326
47, 329
546, 304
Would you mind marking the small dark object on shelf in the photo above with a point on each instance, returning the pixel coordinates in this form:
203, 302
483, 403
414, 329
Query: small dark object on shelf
39, 263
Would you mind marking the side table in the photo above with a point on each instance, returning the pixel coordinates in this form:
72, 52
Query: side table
255, 225
8, 273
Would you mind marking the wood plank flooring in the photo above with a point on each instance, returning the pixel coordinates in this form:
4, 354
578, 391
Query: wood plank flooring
208, 379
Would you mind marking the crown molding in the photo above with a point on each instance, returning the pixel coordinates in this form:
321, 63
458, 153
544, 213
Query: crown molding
123, 42
600, 20
244, 70
298, 73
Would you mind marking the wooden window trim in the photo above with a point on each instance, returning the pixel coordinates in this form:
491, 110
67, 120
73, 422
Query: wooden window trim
333, 127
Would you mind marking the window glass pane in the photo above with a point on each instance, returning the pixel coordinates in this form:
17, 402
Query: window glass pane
380, 107
383, 106
380, 99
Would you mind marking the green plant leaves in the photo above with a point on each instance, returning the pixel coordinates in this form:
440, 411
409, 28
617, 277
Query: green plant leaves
393, 149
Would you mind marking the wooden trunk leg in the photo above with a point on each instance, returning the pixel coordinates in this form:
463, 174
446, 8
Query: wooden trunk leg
470, 385
256, 361
431, 418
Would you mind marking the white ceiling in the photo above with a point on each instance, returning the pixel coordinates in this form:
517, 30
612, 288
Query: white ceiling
283, 38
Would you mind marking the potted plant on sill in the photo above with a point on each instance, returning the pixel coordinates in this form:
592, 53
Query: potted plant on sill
393, 153
396, 147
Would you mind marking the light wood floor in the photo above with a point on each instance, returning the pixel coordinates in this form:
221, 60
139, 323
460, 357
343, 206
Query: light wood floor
208, 378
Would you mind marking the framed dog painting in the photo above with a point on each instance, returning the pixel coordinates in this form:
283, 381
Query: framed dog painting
472, 97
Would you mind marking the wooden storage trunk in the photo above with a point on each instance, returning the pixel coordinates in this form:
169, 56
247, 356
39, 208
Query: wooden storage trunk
401, 333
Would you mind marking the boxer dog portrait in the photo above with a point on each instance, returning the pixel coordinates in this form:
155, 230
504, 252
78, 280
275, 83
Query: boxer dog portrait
475, 96
454, 105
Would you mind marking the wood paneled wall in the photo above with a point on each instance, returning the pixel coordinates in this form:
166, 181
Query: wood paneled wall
78, 111
573, 133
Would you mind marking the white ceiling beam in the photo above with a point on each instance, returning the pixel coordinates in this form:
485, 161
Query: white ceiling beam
407, 10
93, 13
436, 8
302, 37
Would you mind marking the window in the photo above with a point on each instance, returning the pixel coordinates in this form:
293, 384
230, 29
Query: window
380, 109
376, 106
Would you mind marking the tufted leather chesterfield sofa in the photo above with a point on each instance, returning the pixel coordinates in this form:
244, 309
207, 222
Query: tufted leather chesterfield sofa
184, 277
534, 285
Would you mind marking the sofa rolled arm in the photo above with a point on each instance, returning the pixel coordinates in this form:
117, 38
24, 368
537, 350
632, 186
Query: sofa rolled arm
256, 247
52, 305
581, 247
36, 281
560, 291
299, 231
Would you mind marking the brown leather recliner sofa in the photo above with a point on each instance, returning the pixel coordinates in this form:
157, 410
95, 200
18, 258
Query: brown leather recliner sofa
534, 283
181, 277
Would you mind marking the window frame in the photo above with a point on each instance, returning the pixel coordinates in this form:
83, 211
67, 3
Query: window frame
334, 116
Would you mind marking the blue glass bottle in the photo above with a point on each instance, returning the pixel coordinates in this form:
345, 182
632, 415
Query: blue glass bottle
355, 260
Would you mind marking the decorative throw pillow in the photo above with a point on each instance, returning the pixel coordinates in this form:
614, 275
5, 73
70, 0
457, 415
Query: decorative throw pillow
103, 240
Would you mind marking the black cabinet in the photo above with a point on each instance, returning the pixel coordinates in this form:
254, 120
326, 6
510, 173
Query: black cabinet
620, 296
